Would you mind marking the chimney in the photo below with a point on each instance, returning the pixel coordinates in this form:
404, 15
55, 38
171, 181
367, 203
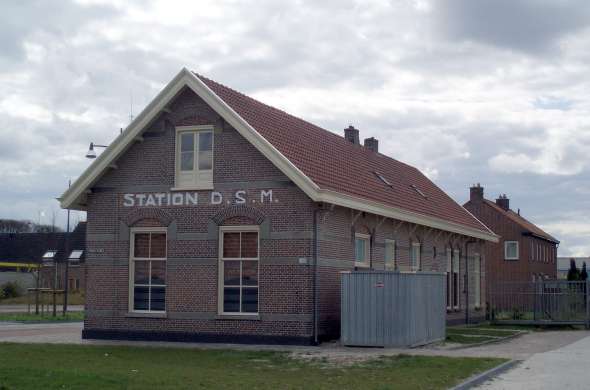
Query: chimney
476, 193
352, 134
503, 202
372, 144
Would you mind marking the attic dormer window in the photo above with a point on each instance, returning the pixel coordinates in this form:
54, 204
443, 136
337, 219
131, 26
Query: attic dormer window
194, 157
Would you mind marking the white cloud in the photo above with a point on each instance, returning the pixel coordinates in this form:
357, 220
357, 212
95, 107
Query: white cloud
463, 100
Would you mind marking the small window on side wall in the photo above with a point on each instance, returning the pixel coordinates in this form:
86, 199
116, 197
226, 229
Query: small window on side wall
415, 260
390, 264
194, 157
511, 250
362, 247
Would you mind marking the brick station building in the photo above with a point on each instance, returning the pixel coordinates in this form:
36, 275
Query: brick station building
214, 217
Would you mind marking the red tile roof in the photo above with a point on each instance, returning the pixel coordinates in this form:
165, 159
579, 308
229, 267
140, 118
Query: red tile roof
334, 163
522, 222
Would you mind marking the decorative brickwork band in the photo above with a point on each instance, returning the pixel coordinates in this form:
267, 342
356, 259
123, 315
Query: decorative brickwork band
239, 211
159, 215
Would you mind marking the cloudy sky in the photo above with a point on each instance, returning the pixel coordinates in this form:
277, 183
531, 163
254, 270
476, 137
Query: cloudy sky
495, 92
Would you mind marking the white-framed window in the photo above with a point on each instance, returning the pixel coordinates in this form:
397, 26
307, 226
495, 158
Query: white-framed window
238, 270
477, 279
194, 157
415, 260
449, 279
511, 250
362, 250
390, 255
456, 285
147, 270
74, 284
546, 254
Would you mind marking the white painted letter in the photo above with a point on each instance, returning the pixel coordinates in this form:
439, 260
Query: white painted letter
140, 199
265, 194
192, 198
240, 197
177, 199
160, 197
151, 201
216, 197
129, 200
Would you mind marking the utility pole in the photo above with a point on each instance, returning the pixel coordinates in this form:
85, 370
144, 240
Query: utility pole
54, 285
67, 249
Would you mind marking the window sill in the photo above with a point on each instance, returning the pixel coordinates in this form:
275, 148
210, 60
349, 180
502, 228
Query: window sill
134, 314
193, 188
246, 317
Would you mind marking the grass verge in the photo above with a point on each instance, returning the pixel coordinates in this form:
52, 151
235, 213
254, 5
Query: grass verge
73, 299
35, 366
26, 317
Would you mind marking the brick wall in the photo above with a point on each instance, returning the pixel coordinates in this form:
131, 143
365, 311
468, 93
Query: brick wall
528, 264
286, 278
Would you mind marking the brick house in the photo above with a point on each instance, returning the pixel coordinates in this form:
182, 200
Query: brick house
524, 253
214, 217
29, 248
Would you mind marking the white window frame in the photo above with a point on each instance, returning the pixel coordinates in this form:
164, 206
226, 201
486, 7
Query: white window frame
367, 260
202, 180
506, 257
449, 275
390, 265
418, 266
456, 268
237, 229
477, 275
132, 260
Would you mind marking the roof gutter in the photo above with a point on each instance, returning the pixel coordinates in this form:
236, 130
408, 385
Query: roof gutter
531, 234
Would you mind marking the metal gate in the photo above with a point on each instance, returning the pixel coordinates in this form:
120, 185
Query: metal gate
557, 302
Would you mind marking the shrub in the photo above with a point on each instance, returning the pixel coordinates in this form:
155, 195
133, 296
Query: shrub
10, 290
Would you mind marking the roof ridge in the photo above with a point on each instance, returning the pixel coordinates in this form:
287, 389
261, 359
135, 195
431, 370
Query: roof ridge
520, 217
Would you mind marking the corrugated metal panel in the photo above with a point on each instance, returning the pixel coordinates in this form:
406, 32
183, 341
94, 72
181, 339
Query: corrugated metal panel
392, 309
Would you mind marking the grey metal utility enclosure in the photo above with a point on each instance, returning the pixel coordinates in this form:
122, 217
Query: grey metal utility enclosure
392, 309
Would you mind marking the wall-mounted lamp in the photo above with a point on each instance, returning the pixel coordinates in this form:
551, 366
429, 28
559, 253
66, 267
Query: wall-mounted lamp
91, 153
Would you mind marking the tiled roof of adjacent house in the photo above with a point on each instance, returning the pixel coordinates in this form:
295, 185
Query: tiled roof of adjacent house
333, 163
30, 247
522, 222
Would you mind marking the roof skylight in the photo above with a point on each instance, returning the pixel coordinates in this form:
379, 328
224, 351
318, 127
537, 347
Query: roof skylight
76, 255
384, 180
422, 194
49, 255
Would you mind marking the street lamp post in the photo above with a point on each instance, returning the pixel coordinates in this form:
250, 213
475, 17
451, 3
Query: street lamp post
91, 153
